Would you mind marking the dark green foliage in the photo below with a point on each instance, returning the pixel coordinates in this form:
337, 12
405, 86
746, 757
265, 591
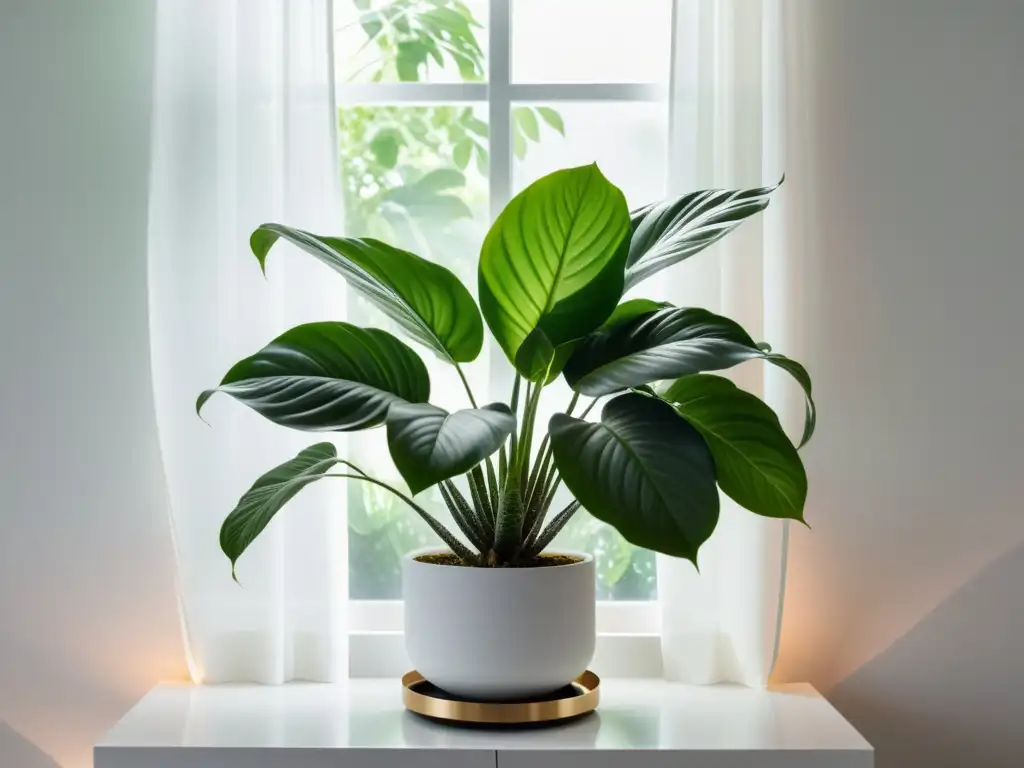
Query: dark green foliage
552, 273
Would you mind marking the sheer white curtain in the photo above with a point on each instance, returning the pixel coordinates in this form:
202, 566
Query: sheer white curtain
243, 134
725, 131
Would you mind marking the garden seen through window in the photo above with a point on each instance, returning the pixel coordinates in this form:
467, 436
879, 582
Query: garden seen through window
447, 108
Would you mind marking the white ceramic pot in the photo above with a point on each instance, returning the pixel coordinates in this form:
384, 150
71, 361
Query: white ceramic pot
499, 633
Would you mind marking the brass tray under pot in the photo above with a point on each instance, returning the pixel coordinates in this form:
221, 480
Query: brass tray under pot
576, 699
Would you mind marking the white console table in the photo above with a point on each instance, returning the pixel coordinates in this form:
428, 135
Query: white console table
639, 724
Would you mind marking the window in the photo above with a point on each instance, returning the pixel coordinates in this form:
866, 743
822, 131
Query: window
446, 108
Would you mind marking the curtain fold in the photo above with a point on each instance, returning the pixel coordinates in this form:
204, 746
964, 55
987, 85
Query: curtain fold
243, 134
726, 129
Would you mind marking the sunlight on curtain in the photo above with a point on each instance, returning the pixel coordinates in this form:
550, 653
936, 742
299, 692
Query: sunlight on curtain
243, 134
721, 624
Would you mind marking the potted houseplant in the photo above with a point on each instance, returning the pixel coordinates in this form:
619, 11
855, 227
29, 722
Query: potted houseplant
492, 615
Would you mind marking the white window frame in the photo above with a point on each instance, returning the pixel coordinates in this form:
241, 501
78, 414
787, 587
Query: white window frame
629, 632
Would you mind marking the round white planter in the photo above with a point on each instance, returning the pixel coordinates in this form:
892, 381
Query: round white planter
499, 633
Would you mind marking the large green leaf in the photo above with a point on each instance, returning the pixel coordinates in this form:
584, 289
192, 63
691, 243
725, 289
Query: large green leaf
268, 494
424, 298
667, 344
643, 470
758, 467
630, 309
429, 445
652, 346
798, 372
327, 377
537, 355
551, 267
666, 233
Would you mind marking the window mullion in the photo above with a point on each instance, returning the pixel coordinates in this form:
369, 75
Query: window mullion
499, 104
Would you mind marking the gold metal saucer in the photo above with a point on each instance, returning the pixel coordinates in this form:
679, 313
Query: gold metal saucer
577, 698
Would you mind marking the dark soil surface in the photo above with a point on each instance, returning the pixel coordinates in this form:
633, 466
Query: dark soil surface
541, 561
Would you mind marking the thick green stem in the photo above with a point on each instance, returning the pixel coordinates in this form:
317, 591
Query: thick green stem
513, 403
523, 432
506, 460
465, 383
526, 439
446, 536
508, 534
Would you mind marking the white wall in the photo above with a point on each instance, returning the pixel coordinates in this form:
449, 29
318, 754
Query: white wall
87, 613
906, 600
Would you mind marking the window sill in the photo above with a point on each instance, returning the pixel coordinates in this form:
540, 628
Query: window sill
639, 723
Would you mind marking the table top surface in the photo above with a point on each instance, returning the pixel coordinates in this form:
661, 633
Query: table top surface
633, 714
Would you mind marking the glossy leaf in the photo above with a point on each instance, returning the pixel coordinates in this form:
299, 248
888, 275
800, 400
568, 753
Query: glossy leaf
628, 310
665, 233
537, 355
798, 372
327, 377
758, 467
644, 470
649, 347
553, 261
425, 299
268, 494
429, 445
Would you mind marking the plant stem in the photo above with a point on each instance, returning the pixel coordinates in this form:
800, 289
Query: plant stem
513, 403
352, 466
482, 512
510, 460
545, 502
553, 528
465, 383
534, 489
462, 514
508, 533
526, 439
572, 403
523, 431
538, 483
588, 408
447, 536
494, 490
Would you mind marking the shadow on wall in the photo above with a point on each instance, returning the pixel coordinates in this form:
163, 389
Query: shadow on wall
906, 166
953, 684
19, 752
